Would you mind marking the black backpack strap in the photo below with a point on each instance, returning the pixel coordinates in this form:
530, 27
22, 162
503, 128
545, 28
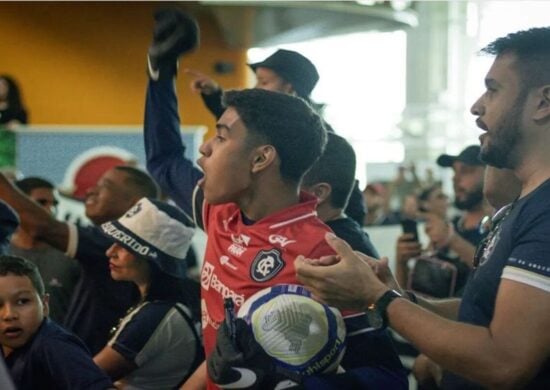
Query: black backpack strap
195, 328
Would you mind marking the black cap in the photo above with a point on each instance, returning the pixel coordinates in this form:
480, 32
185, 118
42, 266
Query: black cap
294, 68
469, 156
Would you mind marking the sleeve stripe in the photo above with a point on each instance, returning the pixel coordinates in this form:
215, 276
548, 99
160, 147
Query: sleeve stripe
197, 203
72, 242
526, 277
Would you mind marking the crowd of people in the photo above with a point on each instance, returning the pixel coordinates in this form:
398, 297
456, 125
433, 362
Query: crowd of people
111, 305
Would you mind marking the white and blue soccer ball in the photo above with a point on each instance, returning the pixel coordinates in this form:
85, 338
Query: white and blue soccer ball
299, 333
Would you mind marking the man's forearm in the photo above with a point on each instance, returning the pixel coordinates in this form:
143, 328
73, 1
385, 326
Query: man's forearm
467, 350
464, 249
447, 308
197, 381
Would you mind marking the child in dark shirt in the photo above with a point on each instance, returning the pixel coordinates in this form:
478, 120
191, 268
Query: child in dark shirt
39, 353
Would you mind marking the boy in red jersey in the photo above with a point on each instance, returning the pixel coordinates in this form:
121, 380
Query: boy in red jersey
248, 200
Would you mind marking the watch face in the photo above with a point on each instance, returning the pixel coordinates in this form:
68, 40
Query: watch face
375, 319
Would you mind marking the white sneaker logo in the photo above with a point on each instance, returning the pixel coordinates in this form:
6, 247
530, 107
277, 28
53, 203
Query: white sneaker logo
247, 379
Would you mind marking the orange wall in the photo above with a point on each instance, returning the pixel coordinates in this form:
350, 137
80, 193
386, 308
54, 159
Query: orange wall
84, 63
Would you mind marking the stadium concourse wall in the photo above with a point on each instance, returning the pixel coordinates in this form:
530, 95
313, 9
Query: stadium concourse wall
84, 62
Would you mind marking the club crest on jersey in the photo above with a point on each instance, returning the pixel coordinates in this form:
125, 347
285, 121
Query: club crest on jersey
266, 265
489, 248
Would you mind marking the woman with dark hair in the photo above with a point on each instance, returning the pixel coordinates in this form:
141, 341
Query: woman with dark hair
12, 111
157, 344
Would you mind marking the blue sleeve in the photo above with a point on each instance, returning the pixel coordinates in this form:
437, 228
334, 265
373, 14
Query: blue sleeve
69, 365
91, 248
164, 149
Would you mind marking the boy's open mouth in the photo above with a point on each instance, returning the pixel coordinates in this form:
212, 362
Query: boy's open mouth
13, 332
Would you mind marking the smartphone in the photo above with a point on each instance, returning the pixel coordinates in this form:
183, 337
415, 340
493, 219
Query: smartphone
410, 226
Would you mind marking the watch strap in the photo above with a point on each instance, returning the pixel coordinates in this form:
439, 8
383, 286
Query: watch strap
381, 305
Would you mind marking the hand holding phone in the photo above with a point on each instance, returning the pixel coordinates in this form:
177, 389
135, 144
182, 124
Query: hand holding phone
410, 227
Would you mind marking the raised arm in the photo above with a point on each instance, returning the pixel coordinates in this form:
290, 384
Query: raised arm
164, 149
175, 34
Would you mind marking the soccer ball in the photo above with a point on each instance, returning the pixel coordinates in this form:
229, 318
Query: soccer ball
299, 333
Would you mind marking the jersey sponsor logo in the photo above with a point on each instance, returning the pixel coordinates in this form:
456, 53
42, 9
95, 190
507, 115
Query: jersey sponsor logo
224, 260
281, 240
239, 245
266, 265
205, 317
209, 279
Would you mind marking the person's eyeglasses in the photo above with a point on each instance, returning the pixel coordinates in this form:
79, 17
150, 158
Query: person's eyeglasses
493, 226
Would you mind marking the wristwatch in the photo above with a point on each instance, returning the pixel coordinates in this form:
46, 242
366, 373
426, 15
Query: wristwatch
380, 307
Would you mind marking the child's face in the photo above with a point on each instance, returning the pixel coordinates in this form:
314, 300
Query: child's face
227, 161
21, 311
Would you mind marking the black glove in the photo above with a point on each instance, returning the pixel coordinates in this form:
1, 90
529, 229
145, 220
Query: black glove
241, 363
175, 33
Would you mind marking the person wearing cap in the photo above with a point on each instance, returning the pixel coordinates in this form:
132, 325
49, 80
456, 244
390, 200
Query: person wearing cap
454, 241
284, 71
497, 335
156, 345
97, 301
462, 235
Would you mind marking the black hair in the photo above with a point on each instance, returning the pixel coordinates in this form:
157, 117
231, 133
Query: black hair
286, 122
22, 267
165, 287
14, 96
28, 184
336, 166
142, 183
532, 49
426, 192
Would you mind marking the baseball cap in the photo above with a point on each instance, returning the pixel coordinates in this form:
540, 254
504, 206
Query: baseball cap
469, 156
156, 231
294, 68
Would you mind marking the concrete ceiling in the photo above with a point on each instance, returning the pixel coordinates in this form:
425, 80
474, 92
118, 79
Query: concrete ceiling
246, 24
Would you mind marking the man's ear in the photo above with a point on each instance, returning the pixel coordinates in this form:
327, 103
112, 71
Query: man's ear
321, 191
45, 304
289, 89
543, 104
263, 156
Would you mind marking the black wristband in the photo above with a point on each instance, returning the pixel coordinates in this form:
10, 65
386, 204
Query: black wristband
381, 305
